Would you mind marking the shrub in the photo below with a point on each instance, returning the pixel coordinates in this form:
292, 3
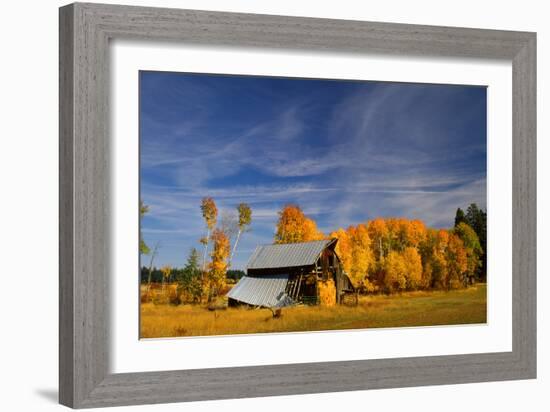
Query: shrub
327, 292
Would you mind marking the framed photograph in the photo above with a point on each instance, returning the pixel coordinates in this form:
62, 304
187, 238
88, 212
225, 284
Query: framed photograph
256, 205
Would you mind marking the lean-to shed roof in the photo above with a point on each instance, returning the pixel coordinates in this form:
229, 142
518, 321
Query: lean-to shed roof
267, 291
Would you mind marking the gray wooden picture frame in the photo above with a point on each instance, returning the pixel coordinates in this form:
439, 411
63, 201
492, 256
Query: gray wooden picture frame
85, 31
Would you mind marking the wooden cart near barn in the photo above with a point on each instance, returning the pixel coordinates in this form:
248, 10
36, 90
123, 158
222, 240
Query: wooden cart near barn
285, 274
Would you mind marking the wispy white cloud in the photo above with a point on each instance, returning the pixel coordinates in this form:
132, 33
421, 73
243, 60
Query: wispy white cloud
376, 151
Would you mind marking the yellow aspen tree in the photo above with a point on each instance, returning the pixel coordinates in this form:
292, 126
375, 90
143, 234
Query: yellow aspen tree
245, 218
415, 232
217, 269
362, 257
440, 272
395, 278
166, 271
413, 268
293, 226
343, 248
210, 215
427, 249
457, 262
310, 231
395, 233
378, 232
290, 225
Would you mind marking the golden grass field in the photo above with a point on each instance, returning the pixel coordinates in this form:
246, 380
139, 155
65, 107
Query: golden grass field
465, 306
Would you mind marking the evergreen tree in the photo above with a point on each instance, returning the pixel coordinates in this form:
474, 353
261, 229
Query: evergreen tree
189, 279
459, 217
476, 218
192, 265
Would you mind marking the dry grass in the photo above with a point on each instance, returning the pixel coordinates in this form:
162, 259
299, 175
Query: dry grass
407, 309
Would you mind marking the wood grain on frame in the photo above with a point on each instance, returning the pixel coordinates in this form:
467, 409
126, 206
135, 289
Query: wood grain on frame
85, 31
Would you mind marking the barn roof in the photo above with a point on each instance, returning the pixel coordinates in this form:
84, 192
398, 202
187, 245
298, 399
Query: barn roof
287, 255
267, 291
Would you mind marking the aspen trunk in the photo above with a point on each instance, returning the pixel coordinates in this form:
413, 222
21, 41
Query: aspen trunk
234, 247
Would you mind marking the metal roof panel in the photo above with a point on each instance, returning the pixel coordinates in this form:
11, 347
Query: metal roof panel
287, 255
267, 291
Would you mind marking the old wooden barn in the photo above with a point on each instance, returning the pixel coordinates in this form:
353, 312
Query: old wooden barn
285, 274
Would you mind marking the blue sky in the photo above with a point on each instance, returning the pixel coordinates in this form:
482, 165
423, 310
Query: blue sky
344, 151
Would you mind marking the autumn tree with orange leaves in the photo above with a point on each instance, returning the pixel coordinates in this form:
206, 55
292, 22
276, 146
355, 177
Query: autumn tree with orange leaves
413, 268
294, 226
354, 249
379, 235
210, 214
457, 263
217, 268
434, 259
395, 272
398, 254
